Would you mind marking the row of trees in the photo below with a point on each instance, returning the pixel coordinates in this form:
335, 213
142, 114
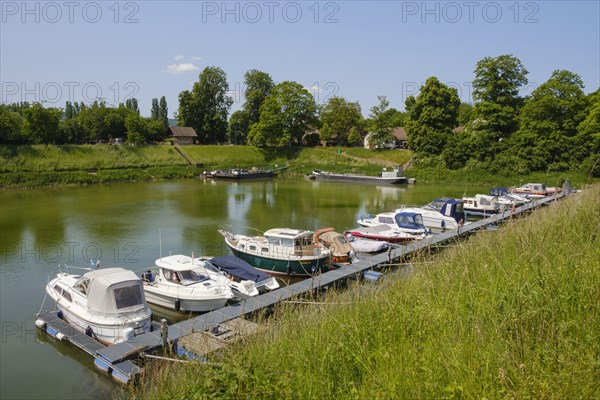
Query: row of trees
556, 128
283, 114
25, 123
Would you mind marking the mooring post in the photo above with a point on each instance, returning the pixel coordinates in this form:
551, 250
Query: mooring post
164, 332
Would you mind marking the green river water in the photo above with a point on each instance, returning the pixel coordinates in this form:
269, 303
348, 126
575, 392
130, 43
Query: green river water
131, 225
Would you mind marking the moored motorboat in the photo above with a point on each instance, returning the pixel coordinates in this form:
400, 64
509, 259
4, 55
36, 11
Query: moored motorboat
240, 271
393, 227
531, 190
394, 176
241, 174
507, 199
367, 246
385, 233
341, 250
179, 284
281, 251
481, 205
439, 215
401, 221
106, 304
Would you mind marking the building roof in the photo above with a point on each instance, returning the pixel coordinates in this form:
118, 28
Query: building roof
458, 129
182, 131
400, 133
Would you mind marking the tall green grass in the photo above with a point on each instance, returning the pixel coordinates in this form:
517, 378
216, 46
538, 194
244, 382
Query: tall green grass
512, 313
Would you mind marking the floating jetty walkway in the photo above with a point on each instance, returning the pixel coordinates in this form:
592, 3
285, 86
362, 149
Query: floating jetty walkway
197, 336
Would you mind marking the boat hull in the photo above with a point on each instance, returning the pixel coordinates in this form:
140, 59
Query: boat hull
305, 267
481, 213
359, 178
381, 238
173, 302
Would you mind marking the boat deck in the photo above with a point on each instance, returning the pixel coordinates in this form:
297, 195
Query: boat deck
177, 335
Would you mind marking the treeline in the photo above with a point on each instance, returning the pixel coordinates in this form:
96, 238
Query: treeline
556, 128
283, 114
25, 123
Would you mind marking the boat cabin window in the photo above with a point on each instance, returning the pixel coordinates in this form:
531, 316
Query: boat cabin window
191, 276
66, 295
265, 249
252, 247
128, 296
273, 240
409, 221
305, 241
484, 202
82, 285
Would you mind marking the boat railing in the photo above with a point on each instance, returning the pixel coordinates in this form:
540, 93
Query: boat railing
67, 268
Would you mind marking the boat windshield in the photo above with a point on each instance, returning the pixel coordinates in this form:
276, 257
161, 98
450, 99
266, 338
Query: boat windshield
191, 276
128, 296
414, 221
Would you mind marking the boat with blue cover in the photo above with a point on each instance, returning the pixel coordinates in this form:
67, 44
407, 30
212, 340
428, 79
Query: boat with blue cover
440, 215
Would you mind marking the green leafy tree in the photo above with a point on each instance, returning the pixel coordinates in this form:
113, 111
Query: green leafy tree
135, 127
163, 113
70, 111
354, 137
497, 102
237, 131
465, 113
154, 110
285, 116
338, 118
396, 118
431, 117
206, 107
549, 122
380, 124
132, 104
42, 124
258, 87
588, 136
11, 126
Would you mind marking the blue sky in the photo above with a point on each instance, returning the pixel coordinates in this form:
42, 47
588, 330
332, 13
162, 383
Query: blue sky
81, 50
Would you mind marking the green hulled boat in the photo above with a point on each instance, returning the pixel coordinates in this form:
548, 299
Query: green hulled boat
281, 251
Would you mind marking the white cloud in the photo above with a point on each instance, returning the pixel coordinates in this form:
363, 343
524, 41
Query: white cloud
181, 68
196, 58
179, 57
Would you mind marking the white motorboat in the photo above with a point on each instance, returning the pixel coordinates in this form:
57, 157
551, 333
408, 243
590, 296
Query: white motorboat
202, 266
385, 233
507, 199
106, 304
439, 215
531, 190
481, 204
367, 246
393, 227
401, 220
180, 284
240, 271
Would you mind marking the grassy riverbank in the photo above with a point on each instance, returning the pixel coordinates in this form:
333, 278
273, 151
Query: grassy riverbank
41, 166
511, 313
